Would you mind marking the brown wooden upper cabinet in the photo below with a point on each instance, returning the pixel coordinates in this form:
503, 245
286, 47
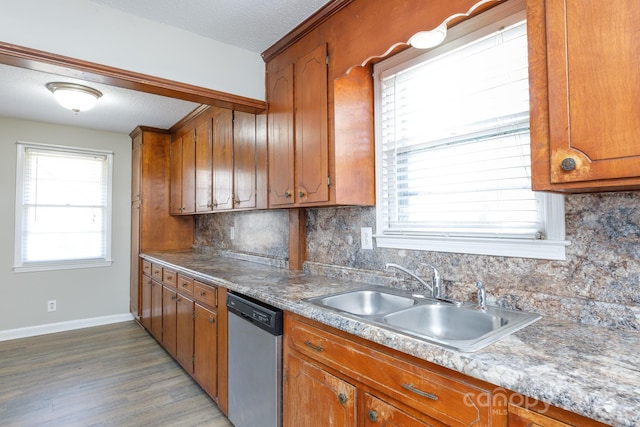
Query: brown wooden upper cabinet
298, 144
217, 162
585, 88
183, 157
305, 167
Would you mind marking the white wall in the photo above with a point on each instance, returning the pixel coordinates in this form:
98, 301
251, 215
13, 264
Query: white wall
87, 31
80, 294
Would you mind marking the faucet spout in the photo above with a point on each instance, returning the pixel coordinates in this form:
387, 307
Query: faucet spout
436, 280
410, 273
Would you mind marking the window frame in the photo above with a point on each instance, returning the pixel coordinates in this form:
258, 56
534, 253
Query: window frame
20, 265
552, 247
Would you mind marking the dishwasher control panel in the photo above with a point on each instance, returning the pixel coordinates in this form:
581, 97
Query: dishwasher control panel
262, 315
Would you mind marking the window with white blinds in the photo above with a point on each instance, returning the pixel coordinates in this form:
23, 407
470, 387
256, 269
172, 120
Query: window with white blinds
63, 207
453, 149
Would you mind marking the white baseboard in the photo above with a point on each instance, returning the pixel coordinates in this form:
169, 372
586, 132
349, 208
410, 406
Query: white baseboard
63, 326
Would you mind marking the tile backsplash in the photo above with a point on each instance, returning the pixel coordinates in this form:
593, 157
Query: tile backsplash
598, 283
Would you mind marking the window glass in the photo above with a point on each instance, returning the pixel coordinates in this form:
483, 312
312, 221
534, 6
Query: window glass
453, 150
63, 212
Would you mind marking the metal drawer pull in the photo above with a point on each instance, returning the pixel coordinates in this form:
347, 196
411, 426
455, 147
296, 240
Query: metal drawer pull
202, 293
373, 415
412, 389
311, 345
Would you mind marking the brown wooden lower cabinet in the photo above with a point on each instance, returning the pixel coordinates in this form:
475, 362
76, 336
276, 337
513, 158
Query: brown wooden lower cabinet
541, 415
313, 396
333, 378
189, 319
156, 310
205, 369
380, 413
145, 301
169, 325
184, 330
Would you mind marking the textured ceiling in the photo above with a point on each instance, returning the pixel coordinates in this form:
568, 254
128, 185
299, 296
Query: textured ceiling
250, 24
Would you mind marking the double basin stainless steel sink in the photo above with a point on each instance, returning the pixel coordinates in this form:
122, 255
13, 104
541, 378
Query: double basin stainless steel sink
462, 327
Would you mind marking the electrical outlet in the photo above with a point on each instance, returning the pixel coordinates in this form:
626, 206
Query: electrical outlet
51, 305
366, 238
232, 233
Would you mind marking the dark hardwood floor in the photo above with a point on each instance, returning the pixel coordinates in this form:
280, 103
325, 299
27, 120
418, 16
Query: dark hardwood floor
113, 375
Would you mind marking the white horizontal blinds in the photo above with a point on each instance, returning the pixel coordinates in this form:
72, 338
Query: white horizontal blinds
64, 205
455, 142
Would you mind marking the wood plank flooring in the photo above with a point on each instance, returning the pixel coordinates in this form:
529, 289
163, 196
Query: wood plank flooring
113, 375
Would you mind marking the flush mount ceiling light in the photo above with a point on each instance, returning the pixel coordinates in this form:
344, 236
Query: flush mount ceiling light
73, 96
429, 39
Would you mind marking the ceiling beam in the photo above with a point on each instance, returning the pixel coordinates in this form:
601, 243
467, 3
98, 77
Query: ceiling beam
65, 66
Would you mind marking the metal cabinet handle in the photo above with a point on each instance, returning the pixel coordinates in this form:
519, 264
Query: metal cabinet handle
568, 164
312, 346
301, 194
287, 194
174, 297
373, 415
202, 293
419, 392
342, 398
211, 320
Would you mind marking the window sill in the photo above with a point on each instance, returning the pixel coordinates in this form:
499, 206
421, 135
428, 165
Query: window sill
520, 248
71, 265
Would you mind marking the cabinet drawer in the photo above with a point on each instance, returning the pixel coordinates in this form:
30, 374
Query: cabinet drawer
156, 272
146, 267
185, 284
437, 395
169, 277
205, 294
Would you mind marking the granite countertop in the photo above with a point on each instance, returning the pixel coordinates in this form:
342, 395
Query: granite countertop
592, 371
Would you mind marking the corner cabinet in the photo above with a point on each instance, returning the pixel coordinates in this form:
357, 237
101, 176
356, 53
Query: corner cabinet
304, 143
584, 61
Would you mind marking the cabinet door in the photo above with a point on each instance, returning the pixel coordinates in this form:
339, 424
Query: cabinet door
145, 296
204, 196
311, 142
222, 140
521, 417
169, 297
135, 280
315, 397
156, 310
189, 172
280, 137
205, 368
379, 413
136, 168
184, 332
244, 160
175, 204
592, 60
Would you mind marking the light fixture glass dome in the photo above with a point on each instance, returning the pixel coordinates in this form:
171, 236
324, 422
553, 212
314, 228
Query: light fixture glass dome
429, 39
73, 96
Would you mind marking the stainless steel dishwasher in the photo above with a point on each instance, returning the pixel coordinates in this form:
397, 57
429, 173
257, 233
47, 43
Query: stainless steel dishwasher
255, 363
